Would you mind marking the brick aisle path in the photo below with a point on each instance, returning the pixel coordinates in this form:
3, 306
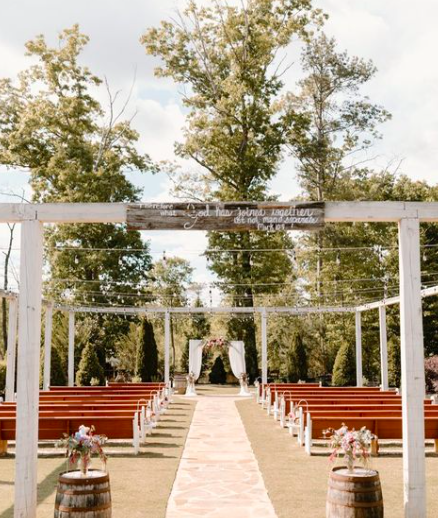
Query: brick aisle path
218, 476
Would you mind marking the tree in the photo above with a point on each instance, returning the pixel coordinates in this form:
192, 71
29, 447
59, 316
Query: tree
171, 278
198, 329
7, 255
89, 367
344, 370
297, 360
218, 374
147, 353
394, 362
52, 124
58, 376
236, 127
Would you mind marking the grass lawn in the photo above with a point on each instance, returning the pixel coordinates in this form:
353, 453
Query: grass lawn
297, 483
140, 486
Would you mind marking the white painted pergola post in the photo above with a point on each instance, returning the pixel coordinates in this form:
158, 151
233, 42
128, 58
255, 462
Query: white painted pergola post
264, 346
12, 349
29, 338
412, 369
383, 348
359, 374
71, 349
48, 346
166, 347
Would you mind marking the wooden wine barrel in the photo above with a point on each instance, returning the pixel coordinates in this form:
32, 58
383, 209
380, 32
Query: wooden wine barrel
83, 497
357, 495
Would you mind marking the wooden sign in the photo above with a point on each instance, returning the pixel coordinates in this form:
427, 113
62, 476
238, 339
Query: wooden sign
228, 216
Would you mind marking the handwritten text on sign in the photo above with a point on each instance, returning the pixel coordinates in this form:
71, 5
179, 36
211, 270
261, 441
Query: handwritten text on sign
231, 216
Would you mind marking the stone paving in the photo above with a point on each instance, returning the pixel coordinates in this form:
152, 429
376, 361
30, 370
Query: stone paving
218, 476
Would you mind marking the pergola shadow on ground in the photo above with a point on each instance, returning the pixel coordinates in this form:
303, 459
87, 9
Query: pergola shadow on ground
407, 216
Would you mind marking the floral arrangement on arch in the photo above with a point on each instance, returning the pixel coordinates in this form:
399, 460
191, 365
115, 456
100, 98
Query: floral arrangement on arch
353, 445
82, 445
220, 342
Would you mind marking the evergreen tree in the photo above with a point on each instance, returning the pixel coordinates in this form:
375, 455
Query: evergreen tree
297, 360
344, 370
394, 362
2, 377
89, 367
218, 374
147, 353
58, 377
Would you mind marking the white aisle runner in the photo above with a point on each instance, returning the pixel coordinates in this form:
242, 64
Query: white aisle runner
218, 476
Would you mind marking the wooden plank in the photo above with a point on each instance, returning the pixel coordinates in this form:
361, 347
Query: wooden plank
226, 216
29, 336
12, 349
412, 369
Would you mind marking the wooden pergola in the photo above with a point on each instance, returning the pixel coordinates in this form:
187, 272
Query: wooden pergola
407, 215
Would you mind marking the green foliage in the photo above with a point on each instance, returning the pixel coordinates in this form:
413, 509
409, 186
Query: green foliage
147, 353
2, 377
344, 370
394, 362
431, 374
52, 124
58, 376
127, 347
89, 367
198, 328
297, 360
218, 374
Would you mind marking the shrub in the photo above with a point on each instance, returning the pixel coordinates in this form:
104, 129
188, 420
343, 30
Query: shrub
2, 377
147, 353
218, 374
57, 375
297, 360
344, 369
431, 373
89, 367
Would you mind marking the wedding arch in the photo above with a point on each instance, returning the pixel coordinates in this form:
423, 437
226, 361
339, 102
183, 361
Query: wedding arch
236, 353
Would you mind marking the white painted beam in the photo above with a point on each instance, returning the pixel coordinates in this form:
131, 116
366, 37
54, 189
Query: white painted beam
412, 370
360, 211
29, 338
427, 292
383, 348
48, 346
134, 310
264, 346
71, 349
12, 349
166, 347
359, 374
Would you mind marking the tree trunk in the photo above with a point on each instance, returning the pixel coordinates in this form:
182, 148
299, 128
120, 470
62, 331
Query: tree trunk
5, 287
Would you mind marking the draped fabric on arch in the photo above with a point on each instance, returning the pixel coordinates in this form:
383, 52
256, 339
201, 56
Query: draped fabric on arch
195, 357
237, 358
236, 351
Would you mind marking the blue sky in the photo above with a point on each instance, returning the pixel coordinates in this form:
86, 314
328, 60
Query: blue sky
398, 37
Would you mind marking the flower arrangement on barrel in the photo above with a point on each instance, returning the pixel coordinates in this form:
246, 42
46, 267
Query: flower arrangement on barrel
81, 445
353, 445
220, 342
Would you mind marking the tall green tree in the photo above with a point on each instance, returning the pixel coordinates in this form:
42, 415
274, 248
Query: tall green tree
198, 329
147, 353
89, 367
236, 127
52, 124
297, 360
344, 370
171, 279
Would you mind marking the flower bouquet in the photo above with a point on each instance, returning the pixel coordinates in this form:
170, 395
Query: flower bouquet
351, 444
216, 342
82, 445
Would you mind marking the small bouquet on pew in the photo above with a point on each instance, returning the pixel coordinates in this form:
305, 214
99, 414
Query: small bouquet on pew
353, 445
81, 445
